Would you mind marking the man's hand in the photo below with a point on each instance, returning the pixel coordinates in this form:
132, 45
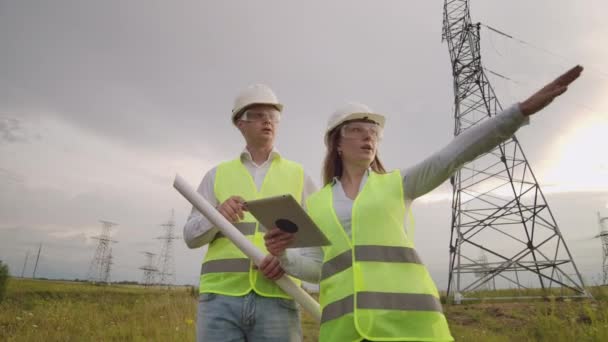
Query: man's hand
271, 267
232, 209
277, 240
548, 93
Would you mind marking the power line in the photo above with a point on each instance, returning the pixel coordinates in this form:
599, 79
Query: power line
572, 103
542, 49
501, 76
518, 82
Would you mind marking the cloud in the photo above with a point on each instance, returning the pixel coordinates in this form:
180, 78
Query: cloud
12, 131
10, 176
123, 103
59, 192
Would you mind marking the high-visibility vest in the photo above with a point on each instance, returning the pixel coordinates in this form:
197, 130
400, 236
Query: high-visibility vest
373, 285
226, 270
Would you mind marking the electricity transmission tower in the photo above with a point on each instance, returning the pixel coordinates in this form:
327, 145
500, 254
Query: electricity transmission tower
166, 262
101, 265
497, 205
27, 255
482, 269
37, 259
603, 236
150, 270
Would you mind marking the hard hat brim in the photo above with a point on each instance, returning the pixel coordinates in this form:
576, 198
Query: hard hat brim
377, 118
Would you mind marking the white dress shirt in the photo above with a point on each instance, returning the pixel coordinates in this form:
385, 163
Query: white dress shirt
417, 181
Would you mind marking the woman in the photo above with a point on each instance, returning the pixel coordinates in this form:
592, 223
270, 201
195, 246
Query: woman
373, 284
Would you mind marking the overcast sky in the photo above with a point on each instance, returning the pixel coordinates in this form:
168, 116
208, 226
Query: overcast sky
103, 102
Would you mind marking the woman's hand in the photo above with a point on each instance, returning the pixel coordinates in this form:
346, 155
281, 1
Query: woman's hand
549, 92
277, 241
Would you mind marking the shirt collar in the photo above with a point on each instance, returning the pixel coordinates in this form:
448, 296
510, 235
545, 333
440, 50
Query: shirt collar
336, 180
246, 155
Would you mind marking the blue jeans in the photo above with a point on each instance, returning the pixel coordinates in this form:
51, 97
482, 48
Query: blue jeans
250, 318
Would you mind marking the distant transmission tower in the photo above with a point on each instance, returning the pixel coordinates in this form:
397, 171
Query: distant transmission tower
101, 265
603, 236
497, 204
482, 269
150, 270
166, 263
107, 267
37, 259
27, 255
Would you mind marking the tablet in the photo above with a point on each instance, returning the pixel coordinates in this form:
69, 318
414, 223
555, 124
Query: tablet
286, 214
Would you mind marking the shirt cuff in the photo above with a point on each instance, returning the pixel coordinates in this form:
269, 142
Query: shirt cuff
287, 260
518, 115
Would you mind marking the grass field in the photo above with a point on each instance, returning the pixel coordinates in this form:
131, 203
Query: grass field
67, 311
64, 311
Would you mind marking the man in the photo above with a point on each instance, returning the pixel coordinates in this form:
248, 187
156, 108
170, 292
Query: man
239, 302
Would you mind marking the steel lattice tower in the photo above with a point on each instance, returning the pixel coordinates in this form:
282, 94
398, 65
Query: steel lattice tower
498, 207
166, 263
150, 271
483, 270
603, 236
27, 255
101, 265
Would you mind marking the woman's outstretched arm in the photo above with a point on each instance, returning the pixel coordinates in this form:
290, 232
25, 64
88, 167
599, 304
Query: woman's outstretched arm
430, 173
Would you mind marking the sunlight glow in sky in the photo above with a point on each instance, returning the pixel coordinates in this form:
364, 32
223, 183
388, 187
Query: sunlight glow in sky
577, 159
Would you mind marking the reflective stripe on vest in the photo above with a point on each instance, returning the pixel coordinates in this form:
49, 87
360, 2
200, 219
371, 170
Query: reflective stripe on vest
246, 228
369, 253
381, 300
226, 266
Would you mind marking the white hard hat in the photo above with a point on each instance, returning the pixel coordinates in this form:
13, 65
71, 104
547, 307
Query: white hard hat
352, 111
259, 94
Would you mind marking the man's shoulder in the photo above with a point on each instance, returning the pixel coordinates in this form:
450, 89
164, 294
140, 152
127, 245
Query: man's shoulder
213, 170
228, 162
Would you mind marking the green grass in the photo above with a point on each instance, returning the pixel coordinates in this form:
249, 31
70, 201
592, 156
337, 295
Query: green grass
538, 320
68, 311
4, 277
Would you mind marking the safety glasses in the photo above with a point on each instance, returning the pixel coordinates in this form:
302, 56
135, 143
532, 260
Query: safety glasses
360, 130
253, 115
